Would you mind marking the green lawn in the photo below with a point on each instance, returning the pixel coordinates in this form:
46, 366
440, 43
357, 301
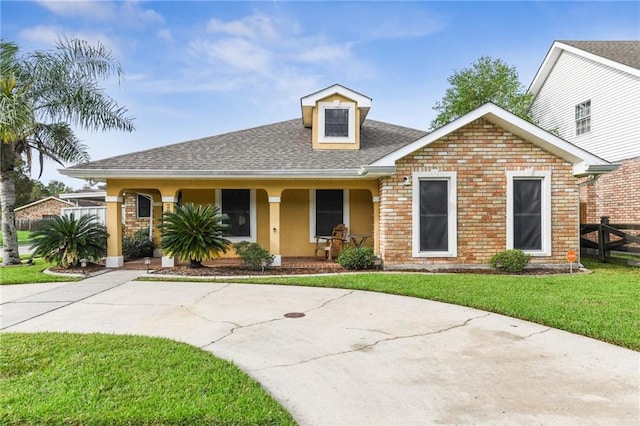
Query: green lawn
94, 379
604, 305
24, 238
25, 274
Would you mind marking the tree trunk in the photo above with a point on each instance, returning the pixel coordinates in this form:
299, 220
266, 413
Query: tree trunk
8, 200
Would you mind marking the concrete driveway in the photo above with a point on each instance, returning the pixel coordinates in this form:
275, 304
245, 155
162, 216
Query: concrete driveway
357, 357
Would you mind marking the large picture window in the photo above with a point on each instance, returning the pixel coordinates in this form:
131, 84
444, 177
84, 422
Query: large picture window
529, 212
327, 208
434, 214
239, 205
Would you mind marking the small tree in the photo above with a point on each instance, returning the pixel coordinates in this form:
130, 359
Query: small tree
194, 233
64, 240
487, 80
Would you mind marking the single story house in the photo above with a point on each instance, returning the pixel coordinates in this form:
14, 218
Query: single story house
486, 182
42, 209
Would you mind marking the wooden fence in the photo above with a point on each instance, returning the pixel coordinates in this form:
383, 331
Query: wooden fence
601, 240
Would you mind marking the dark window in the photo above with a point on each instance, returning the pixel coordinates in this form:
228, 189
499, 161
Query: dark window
336, 122
329, 210
236, 203
144, 206
527, 214
434, 215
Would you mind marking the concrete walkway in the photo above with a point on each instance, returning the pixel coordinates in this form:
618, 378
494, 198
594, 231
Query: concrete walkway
357, 357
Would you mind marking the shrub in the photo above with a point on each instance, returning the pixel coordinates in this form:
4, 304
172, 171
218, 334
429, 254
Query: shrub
141, 234
253, 255
357, 258
134, 249
63, 240
510, 260
194, 233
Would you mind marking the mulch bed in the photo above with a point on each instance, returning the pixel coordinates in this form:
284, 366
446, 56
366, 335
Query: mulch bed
225, 271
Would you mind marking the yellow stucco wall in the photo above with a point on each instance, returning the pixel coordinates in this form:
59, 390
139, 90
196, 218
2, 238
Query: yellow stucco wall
198, 196
293, 225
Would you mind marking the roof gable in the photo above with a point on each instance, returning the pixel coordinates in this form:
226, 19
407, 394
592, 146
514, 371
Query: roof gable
620, 55
309, 102
583, 161
42, 201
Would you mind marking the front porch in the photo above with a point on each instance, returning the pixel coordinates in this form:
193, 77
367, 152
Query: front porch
283, 216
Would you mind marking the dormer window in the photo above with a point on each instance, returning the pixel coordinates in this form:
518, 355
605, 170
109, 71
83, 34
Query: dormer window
337, 122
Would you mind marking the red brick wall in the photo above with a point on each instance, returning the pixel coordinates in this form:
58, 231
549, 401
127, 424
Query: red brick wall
616, 195
481, 154
38, 211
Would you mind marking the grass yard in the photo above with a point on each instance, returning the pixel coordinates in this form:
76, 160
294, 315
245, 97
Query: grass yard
25, 274
24, 238
604, 305
83, 379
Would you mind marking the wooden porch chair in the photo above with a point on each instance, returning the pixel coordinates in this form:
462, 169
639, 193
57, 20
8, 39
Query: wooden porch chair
331, 246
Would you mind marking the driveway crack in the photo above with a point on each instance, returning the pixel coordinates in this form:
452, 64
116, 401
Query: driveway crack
239, 327
387, 339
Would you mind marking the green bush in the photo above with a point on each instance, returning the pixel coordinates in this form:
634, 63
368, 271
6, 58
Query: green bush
141, 234
510, 260
63, 240
357, 258
253, 255
194, 233
135, 249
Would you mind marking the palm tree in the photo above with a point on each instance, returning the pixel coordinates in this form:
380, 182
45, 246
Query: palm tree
65, 240
42, 94
194, 233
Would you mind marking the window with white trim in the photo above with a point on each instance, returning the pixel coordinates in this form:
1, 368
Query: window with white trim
583, 117
434, 214
529, 212
336, 122
327, 208
240, 206
143, 206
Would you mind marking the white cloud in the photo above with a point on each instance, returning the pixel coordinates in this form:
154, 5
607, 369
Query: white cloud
88, 8
49, 35
237, 53
257, 26
165, 34
129, 12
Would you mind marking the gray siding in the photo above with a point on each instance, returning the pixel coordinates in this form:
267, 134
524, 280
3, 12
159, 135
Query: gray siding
615, 106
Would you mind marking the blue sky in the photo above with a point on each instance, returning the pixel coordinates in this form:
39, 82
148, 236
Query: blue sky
200, 68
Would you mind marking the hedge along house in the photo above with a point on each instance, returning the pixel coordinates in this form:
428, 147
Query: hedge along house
483, 183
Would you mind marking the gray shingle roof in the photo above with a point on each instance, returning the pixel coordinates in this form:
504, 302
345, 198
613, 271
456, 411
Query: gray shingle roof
279, 146
624, 52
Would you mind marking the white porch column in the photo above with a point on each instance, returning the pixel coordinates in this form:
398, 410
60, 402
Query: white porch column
115, 259
168, 205
376, 225
274, 229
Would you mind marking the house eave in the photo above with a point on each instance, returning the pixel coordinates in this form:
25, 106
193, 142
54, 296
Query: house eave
104, 174
582, 169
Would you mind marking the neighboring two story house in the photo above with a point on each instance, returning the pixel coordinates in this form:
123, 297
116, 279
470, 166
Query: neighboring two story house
486, 182
589, 93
